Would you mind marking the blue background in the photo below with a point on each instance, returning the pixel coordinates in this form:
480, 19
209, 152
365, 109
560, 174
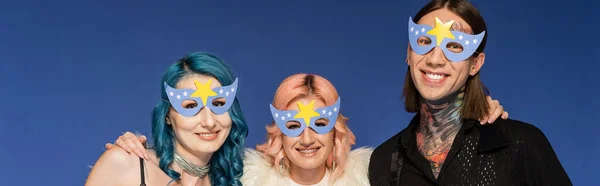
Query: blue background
77, 74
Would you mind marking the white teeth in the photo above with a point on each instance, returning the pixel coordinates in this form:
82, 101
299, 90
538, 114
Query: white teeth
308, 151
207, 135
434, 76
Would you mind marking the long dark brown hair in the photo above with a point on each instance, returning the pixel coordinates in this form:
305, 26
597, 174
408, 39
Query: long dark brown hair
475, 105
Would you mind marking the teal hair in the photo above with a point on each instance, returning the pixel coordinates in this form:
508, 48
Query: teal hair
227, 163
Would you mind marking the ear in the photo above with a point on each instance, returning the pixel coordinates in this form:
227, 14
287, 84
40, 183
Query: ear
477, 64
168, 120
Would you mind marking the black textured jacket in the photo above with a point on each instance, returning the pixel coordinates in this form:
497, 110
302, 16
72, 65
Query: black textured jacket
505, 153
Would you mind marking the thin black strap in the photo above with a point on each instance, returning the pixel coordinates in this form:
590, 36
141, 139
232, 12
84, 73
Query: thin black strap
142, 172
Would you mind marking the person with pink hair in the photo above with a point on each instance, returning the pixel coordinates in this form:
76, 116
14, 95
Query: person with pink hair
308, 142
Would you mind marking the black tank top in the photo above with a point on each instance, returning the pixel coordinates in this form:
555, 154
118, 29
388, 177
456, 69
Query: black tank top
143, 183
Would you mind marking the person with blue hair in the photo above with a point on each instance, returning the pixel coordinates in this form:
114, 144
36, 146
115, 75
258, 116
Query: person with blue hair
198, 128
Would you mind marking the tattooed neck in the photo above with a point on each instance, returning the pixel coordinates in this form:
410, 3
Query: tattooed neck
440, 122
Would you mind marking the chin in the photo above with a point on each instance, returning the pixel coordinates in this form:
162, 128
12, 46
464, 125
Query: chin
431, 94
310, 163
211, 146
433, 87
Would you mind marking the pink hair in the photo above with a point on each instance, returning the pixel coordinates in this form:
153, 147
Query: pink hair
305, 85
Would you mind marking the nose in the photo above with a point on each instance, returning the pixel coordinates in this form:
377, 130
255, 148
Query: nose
206, 118
436, 58
307, 138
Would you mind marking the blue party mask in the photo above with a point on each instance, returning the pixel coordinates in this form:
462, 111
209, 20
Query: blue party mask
307, 117
203, 96
440, 36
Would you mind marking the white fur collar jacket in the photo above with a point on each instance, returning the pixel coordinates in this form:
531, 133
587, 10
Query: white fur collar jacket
259, 172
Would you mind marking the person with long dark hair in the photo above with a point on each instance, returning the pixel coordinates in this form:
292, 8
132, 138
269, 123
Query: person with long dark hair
444, 144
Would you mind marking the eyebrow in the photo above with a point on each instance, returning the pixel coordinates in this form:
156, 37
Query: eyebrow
458, 26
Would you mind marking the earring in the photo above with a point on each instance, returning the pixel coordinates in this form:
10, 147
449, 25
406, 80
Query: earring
333, 158
281, 166
333, 165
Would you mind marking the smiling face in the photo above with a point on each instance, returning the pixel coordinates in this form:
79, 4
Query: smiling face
433, 74
309, 150
204, 132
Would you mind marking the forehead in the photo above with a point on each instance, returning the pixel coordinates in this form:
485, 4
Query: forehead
187, 82
444, 15
293, 105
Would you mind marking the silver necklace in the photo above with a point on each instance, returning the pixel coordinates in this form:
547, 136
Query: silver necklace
190, 168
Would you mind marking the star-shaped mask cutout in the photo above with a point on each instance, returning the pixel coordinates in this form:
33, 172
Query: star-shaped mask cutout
203, 91
441, 31
306, 112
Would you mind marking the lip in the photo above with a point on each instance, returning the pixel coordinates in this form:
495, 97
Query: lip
433, 82
311, 154
434, 72
208, 136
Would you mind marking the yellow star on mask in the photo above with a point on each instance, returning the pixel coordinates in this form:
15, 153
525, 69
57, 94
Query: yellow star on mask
203, 91
306, 112
441, 31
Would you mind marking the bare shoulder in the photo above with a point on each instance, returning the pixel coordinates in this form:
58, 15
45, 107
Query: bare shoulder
115, 167
152, 156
